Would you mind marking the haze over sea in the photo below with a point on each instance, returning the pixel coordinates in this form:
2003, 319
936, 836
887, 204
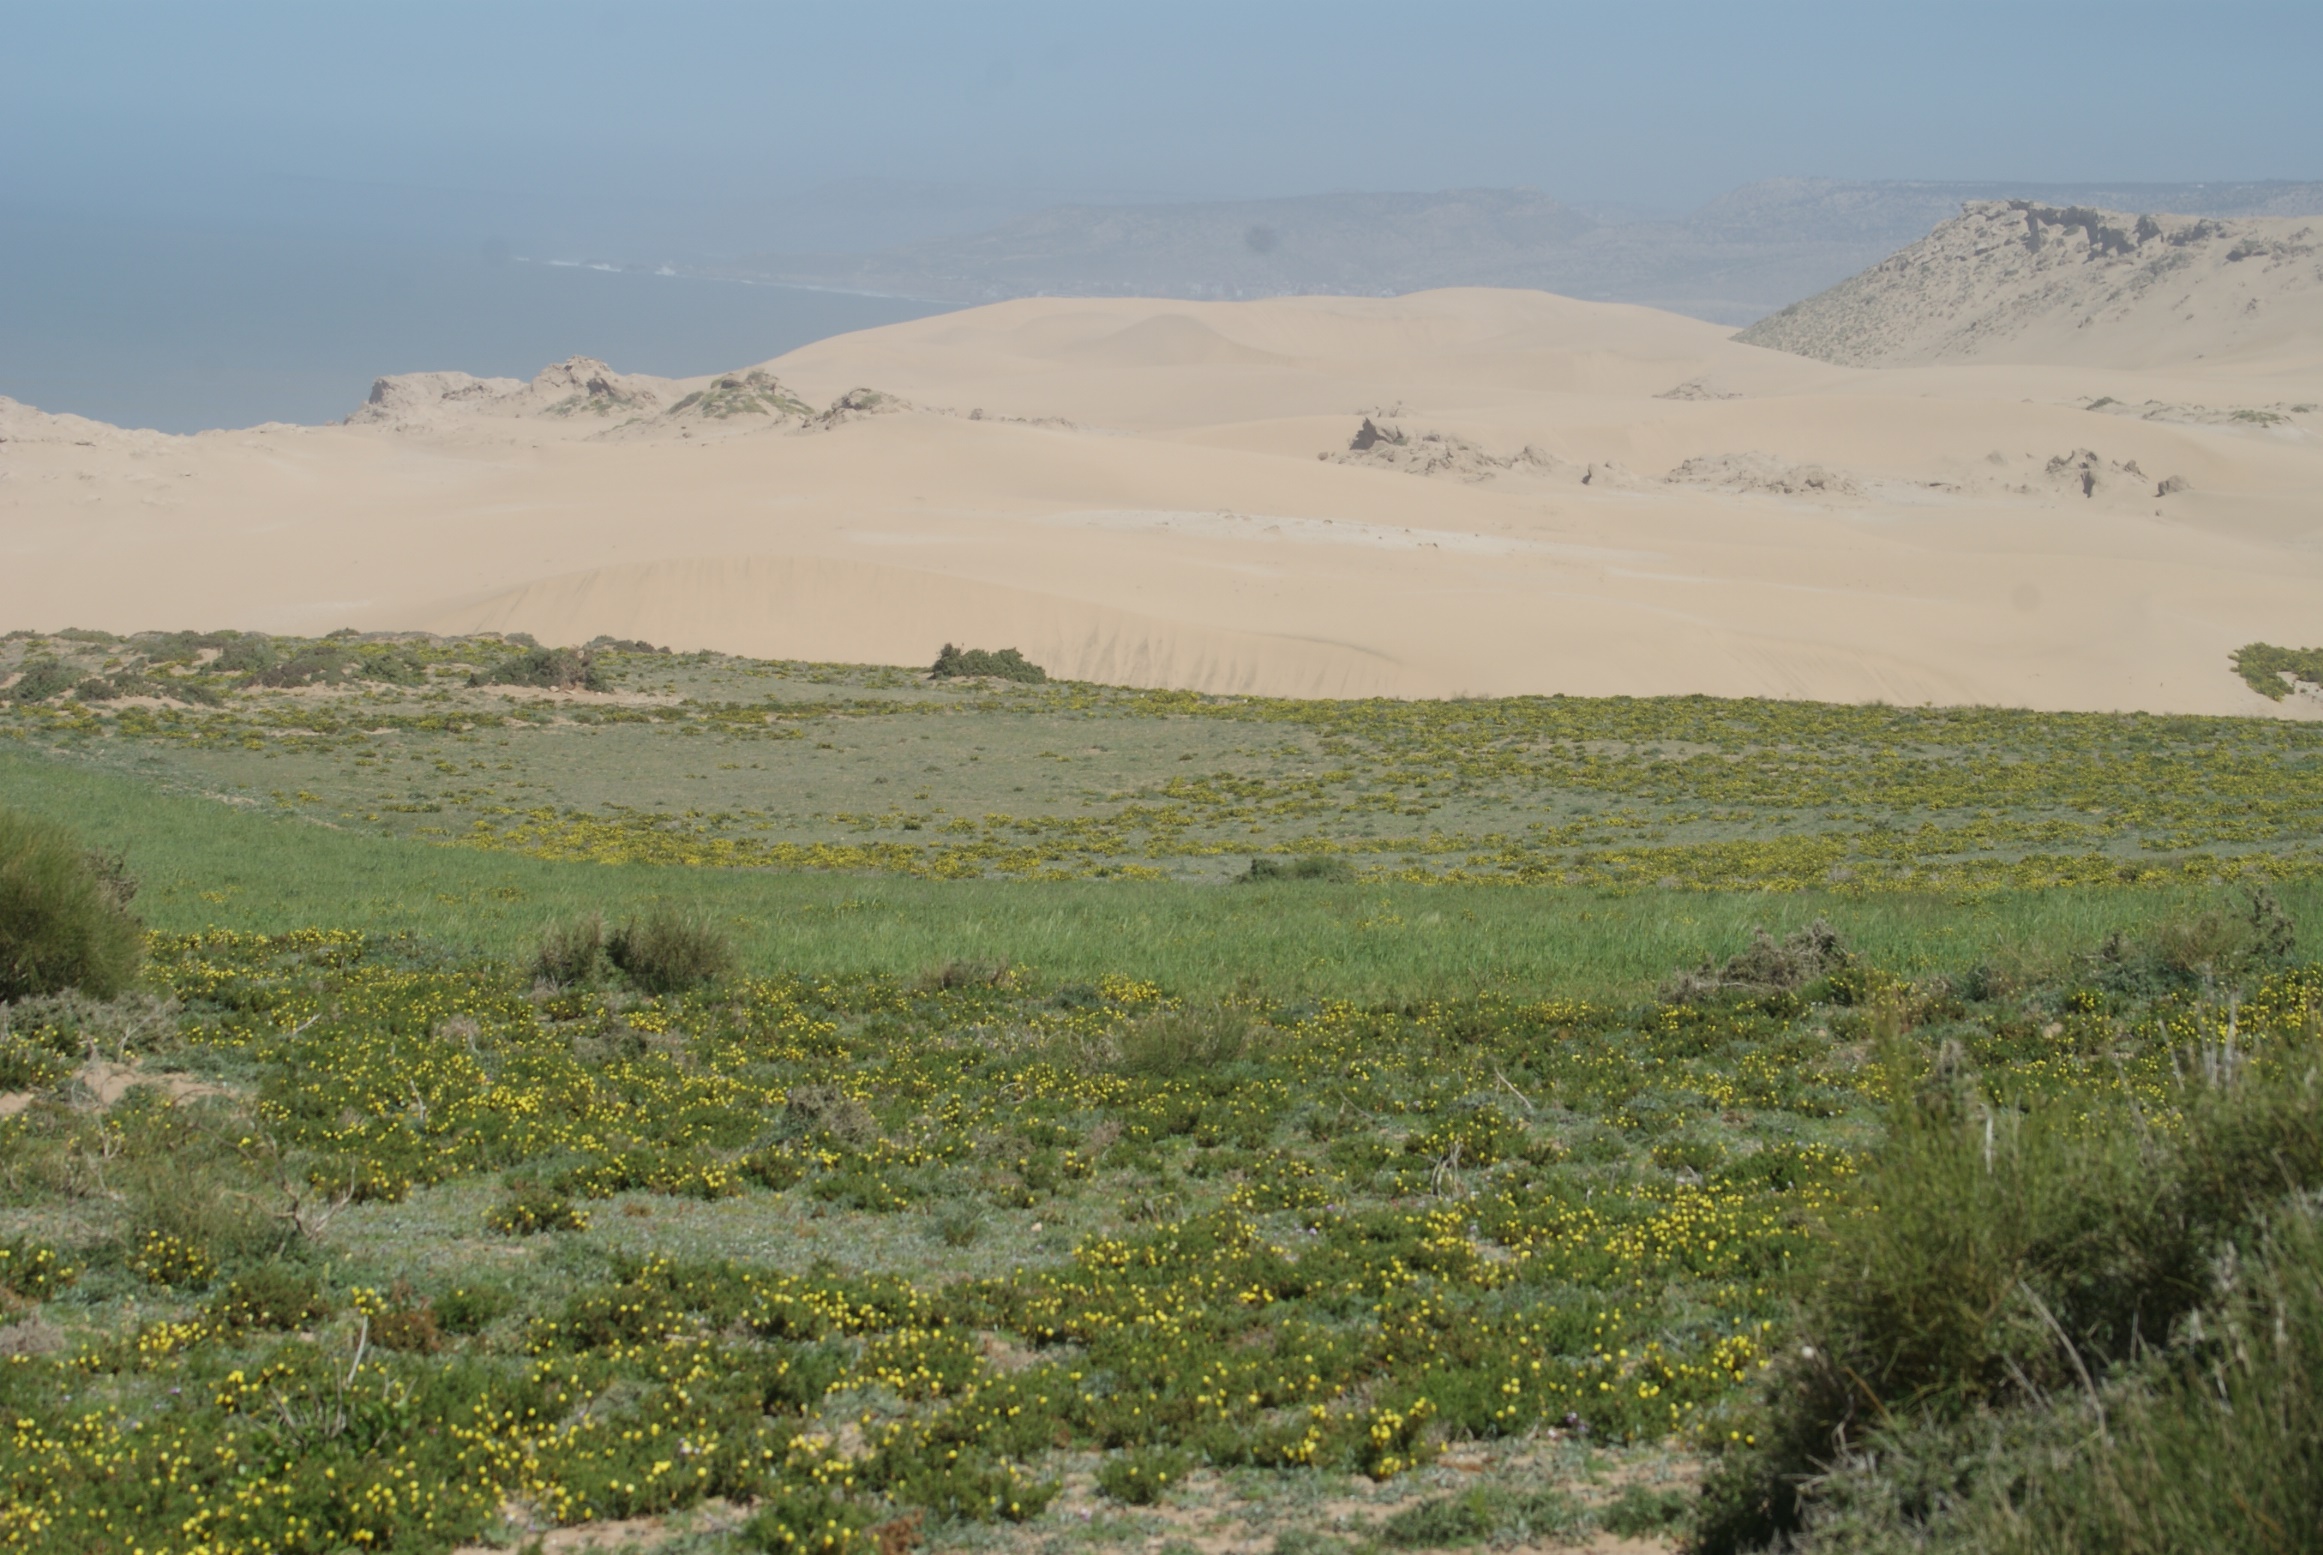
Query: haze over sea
185, 328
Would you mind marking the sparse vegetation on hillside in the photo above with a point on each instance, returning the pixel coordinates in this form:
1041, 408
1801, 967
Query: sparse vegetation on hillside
1000, 664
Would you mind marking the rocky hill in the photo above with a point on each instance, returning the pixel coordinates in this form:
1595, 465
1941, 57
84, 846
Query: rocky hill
2022, 281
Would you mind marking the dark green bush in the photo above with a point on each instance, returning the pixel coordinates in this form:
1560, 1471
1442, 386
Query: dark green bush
469, 1309
670, 951
246, 655
64, 922
2218, 1450
1002, 664
1143, 1476
320, 664
555, 669
2013, 1259
2252, 937
1311, 868
532, 1208
794, 1519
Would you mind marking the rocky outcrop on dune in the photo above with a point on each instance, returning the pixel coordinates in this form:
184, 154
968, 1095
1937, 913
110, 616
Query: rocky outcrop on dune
857, 405
2017, 281
599, 402
576, 386
1386, 445
1765, 473
753, 393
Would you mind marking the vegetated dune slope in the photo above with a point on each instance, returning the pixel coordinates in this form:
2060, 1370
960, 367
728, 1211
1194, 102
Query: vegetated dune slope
2016, 281
1463, 491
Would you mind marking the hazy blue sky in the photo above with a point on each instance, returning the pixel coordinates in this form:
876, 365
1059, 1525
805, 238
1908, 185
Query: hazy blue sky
667, 125
213, 213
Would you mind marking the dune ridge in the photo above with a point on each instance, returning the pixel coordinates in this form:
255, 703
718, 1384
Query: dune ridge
1468, 491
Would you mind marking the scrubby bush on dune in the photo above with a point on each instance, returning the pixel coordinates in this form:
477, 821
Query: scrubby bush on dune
64, 919
2263, 667
42, 679
1003, 664
553, 669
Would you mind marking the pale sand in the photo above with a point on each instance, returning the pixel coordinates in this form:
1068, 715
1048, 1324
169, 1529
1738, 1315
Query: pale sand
1181, 530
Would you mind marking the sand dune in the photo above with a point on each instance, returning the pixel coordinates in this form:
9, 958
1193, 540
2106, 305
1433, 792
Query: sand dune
1586, 498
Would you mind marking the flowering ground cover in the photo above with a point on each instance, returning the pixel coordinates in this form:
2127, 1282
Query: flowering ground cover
393, 1252
708, 760
1048, 1174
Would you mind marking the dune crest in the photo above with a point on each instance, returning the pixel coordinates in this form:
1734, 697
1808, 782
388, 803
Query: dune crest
1469, 491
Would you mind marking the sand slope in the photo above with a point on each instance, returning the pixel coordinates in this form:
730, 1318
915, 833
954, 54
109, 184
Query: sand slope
1554, 496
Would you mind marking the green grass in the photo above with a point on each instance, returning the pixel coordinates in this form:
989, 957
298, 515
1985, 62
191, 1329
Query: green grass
203, 864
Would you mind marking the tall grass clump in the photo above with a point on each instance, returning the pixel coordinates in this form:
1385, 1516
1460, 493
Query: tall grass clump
64, 914
2005, 1270
669, 950
1174, 1043
570, 953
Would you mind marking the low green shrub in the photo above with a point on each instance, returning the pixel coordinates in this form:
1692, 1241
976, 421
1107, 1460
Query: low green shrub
1141, 1477
1319, 867
1473, 1516
64, 919
33, 1270
172, 1262
1001, 664
670, 951
270, 1296
794, 1519
531, 1208
1640, 1513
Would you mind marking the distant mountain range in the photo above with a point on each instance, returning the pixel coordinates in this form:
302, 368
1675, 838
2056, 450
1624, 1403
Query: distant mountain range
1733, 261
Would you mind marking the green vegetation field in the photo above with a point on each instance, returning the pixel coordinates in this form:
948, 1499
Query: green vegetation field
1134, 1119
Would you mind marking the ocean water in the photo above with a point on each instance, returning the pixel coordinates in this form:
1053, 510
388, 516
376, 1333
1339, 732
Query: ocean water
186, 328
